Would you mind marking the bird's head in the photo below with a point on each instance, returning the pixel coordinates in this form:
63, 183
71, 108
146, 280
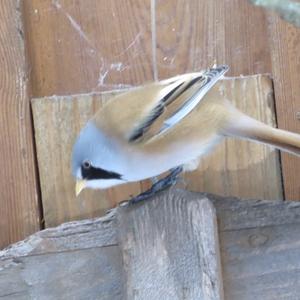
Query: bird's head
96, 160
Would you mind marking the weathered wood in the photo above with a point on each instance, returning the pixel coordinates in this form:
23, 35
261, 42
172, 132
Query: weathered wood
94, 273
170, 248
285, 45
79, 260
238, 215
171, 234
261, 263
192, 35
64, 262
259, 242
19, 215
72, 236
84, 46
229, 171
259, 248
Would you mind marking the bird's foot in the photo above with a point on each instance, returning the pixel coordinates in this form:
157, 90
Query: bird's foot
158, 186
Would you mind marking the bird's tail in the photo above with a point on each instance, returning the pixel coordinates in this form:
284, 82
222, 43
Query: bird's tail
245, 127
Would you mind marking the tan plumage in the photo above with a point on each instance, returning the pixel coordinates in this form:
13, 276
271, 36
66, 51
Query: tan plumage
136, 105
141, 122
213, 117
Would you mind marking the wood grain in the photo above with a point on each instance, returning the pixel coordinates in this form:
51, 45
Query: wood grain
285, 45
94, 252
94, 273
19, 214
77, 260
192, 35
259, 248
107, 258
84, 46
170, 249
236, 168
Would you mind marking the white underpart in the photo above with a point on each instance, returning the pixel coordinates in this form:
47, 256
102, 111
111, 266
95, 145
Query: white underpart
191, 165
150, 165
143, 166
103, 183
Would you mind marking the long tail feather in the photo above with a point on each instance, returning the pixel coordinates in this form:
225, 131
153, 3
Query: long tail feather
245, 127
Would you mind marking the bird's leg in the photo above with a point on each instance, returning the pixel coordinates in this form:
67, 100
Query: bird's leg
158, 186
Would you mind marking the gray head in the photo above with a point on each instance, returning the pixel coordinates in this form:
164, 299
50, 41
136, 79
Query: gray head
96, 159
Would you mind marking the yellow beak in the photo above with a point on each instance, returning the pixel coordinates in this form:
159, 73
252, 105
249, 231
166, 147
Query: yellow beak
80, 185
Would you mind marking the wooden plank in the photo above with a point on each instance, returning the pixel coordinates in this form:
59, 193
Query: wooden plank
51, 264
259, 248
170, 249
19, 215
110, 256
94, 273
84, 46
230, 171
262, 263
246, 214
86, 274
285, 45
72, 236
192, 35
78, 260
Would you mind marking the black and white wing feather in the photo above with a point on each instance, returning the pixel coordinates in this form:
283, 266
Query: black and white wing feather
180, 96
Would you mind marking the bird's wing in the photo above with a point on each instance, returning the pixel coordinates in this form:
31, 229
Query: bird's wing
153, 109
178, 103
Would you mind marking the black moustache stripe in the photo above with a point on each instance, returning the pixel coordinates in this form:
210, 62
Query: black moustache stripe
98, 173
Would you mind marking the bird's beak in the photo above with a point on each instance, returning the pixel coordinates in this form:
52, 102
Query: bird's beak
80, 185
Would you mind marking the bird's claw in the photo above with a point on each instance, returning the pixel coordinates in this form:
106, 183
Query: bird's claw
158, 186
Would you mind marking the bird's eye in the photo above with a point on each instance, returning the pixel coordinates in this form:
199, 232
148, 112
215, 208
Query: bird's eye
86, 164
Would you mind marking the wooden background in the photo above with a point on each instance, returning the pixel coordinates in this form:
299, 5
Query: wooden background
63, 47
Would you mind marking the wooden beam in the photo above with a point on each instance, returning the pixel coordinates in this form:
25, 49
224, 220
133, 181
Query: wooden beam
74, 261
166, 245
19, 215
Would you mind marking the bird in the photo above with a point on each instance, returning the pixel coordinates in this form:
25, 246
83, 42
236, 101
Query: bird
162, 126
